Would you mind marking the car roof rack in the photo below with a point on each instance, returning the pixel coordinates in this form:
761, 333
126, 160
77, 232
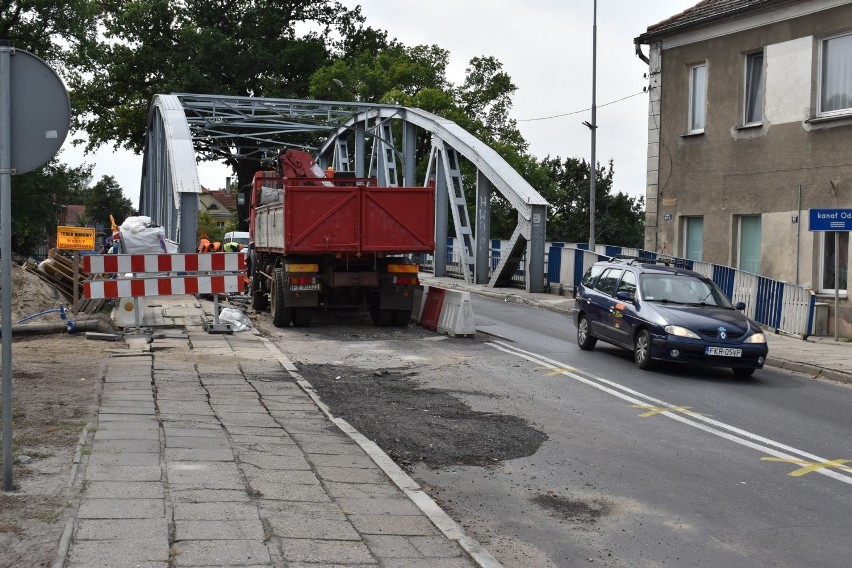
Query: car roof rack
634, 260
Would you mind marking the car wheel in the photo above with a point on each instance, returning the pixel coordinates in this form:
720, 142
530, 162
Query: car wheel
743, 373
642, 349
584, 337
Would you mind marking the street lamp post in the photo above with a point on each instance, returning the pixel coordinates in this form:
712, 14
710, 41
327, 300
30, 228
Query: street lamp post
340, 84
593, 170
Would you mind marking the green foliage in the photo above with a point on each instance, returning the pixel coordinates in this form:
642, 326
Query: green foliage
619, 218
391, 73
246, 48
58, 32
252, 48
207, 226
106, 198
37, 198
392, 68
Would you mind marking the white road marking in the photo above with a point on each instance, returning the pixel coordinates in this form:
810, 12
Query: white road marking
721, 429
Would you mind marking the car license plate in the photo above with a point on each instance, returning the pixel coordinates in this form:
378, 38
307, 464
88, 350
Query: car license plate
724, 351
305, 288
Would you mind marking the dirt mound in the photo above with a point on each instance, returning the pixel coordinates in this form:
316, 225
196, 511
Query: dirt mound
31, 295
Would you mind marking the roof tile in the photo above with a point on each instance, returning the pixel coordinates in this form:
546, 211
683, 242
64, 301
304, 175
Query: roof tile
709, 10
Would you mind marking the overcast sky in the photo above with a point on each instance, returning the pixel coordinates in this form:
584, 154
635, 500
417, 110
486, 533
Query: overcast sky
546, 48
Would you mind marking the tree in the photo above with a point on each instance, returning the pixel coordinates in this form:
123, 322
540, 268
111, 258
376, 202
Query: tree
392, 73
245, 48
60, 33
106, 198
37, 198
207, 225
619, 218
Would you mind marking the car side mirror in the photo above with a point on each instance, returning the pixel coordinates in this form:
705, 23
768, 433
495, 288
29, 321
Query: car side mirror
625, 296
740, 306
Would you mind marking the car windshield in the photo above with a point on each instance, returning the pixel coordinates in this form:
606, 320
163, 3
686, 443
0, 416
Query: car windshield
682, 289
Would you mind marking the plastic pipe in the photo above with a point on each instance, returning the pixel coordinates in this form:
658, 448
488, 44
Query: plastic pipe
60, 309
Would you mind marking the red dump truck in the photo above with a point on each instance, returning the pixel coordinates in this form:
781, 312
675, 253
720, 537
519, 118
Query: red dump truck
323, 239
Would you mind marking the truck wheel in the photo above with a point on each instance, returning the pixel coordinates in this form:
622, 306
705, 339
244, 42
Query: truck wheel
259, 297
302, 316
281, 315
401, 318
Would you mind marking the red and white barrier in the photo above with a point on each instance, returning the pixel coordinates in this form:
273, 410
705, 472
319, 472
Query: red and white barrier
192, 262
162, 286
445, 311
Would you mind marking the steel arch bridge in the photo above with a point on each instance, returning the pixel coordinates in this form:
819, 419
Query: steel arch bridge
369, 139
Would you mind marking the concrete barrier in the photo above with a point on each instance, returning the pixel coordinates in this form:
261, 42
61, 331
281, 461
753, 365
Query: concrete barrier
456, 317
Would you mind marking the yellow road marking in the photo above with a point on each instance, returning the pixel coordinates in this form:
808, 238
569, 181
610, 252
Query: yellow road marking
812, 466
553, 371
653, 410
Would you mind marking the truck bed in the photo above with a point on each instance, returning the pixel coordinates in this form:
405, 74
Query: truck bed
355, 219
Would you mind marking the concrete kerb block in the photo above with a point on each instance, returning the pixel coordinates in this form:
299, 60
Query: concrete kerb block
457, 315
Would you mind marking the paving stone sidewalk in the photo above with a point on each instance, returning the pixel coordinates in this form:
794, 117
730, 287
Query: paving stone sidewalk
210, 451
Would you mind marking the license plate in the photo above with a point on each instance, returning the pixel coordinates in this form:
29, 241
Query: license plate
305, 288
724, 351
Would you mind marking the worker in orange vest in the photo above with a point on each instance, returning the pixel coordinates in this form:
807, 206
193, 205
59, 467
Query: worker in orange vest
204, 244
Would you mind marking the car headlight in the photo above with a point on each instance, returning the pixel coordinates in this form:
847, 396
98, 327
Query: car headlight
681, 332
756, 338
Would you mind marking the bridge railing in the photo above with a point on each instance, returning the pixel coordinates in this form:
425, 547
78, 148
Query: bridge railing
782, 306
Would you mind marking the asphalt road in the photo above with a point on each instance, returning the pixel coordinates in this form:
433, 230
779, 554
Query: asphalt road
686, 467
670, 467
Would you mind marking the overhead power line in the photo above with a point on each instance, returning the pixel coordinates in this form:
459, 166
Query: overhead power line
579, 111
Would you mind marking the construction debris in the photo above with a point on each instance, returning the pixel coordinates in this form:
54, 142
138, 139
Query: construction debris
58, 272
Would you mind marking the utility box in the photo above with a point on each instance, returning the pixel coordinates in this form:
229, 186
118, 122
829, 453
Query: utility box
820, 323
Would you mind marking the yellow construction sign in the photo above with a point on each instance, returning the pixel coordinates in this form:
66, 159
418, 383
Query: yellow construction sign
75, 238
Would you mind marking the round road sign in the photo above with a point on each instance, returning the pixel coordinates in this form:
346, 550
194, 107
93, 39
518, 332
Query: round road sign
40, 109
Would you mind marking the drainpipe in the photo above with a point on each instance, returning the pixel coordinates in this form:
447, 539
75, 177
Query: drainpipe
798, 231
639, 54
638, 50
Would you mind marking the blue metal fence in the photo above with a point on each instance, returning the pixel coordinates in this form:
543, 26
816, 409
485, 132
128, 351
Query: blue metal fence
780, 305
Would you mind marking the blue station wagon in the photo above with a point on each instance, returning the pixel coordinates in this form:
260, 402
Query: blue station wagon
667, 313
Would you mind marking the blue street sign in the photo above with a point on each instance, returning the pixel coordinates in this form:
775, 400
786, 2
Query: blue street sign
830, 220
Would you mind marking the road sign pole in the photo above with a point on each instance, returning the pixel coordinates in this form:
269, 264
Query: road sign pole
837, 283
6, 255
76, 287
28, 140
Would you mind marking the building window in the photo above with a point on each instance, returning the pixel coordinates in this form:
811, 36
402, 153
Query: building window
836, 75
753, 88
697, 97
827, 264
693, 246
748, 250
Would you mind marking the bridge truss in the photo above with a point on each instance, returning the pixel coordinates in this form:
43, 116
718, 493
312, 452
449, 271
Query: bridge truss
369, 139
